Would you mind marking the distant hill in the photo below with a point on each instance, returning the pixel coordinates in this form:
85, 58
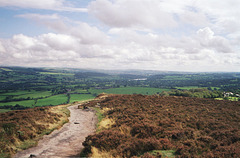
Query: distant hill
90, 74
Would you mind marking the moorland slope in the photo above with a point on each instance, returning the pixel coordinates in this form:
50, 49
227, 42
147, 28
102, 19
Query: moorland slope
21, 129
147, 126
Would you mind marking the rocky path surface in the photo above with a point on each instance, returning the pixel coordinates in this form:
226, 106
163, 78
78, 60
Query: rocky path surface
67, 141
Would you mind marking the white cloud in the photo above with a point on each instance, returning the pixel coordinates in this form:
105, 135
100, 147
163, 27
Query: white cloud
66, 50
57, 5
2, 49
132, 13
223, 14
195, 18
207, 39
148, 34
39, 16
87, 34
59, 41
20, 41
47, 48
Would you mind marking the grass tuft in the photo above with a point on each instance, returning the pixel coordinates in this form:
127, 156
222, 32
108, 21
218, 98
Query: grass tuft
100, 116
106, 123
163, 153
98, 153
27, 144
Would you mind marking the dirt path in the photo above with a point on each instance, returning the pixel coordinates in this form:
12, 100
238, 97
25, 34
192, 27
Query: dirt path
67, 141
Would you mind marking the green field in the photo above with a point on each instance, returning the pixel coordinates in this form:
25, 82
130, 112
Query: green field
228, 98
233, 98
79, 91
5, 69
2, 97
27, 103
17, 93
187, 87
129, 90
55, 73
80, 97
218, 99
217, 88
26, 94
53, 100
35, 94
194, 87
176, 78
4, 110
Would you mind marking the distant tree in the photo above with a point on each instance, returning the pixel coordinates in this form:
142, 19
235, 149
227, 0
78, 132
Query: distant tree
94, 94
9, 98
69, 98
164, 93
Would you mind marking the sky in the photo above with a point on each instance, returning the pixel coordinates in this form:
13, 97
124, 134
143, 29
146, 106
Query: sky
165, 35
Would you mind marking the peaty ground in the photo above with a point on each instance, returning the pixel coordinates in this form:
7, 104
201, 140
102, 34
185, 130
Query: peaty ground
67, 141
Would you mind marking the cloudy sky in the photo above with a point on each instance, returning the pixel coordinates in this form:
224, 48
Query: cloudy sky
172, 35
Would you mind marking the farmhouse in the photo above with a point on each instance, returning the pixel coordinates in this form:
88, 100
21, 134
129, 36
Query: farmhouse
228, 94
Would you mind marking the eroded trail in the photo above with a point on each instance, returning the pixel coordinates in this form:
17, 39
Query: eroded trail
67, 141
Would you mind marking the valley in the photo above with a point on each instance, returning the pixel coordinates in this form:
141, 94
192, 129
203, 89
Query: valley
139, 113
